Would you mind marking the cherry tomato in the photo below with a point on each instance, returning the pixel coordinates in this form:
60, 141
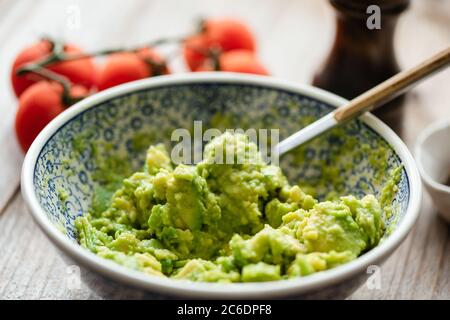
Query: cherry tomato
194, 50
157, 65
82, 71
229, 34
38, 105
222, 34
127, 66
242, 61
121, 68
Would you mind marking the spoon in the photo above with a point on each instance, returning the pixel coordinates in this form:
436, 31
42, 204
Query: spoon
367, 101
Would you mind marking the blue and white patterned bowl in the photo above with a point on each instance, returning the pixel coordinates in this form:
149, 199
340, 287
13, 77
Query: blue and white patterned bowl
123, 121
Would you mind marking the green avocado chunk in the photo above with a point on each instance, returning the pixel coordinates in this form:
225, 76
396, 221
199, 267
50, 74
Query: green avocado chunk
230, 218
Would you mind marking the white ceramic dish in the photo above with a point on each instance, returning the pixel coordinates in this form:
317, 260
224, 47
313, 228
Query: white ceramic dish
432, 153
347, 276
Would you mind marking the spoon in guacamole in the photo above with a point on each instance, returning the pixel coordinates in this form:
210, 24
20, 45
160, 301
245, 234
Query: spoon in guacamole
367, 101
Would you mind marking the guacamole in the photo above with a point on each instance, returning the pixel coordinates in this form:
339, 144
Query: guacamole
237, 222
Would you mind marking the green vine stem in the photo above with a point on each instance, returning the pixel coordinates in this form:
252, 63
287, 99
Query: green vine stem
58, 54
67, 98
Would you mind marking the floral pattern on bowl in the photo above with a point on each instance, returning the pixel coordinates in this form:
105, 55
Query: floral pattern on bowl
352, 159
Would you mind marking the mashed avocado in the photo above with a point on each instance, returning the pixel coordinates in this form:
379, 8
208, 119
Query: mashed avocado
237, 222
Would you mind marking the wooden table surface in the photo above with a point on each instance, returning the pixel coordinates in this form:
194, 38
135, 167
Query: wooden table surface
293, 38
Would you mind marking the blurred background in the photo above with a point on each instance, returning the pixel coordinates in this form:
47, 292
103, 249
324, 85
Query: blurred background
294, 38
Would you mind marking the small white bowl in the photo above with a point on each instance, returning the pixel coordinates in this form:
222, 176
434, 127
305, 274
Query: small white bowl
432, 154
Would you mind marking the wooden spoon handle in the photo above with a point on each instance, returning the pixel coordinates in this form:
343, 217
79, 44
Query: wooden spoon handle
392, 87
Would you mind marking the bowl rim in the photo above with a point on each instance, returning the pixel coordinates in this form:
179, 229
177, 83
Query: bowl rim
422, 139
299, 285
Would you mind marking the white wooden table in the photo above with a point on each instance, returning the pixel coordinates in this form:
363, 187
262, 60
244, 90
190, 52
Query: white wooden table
293, 36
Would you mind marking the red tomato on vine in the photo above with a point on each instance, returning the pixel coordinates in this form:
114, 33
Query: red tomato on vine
81, 71
222, 34
38, 105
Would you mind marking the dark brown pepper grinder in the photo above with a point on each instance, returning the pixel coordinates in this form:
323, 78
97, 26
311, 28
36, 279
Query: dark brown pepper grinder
362, 54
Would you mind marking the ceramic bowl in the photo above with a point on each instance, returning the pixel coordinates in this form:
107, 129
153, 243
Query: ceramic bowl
433, 160
118, 122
